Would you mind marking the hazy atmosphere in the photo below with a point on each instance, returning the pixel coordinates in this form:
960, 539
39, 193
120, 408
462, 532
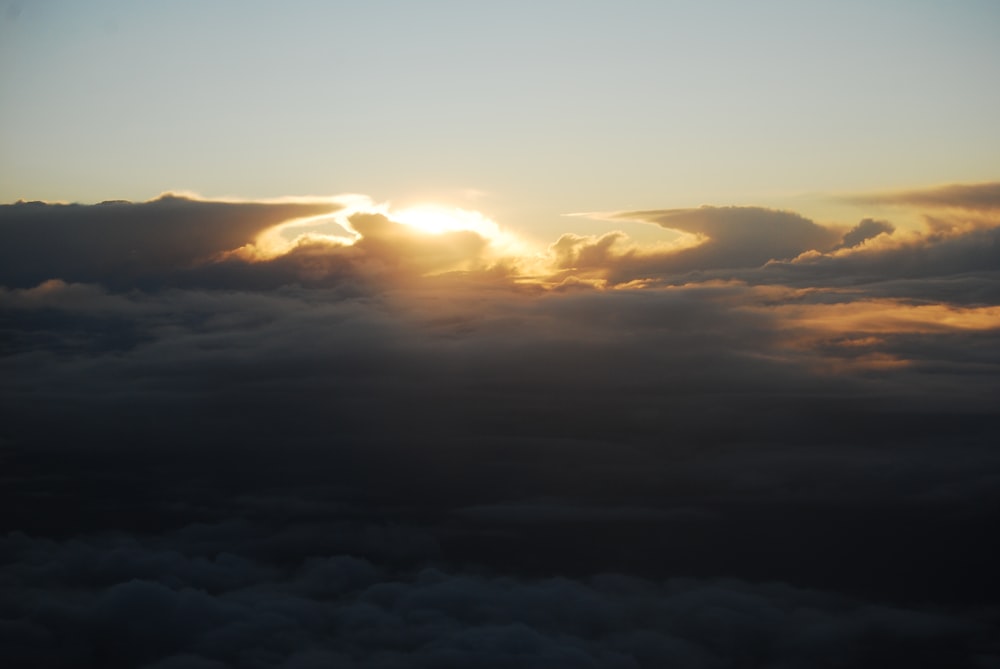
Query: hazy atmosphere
554, 334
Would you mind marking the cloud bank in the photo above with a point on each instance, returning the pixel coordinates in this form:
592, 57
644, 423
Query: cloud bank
230, 440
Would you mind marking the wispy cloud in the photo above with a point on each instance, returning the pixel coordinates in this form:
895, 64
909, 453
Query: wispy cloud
973, 197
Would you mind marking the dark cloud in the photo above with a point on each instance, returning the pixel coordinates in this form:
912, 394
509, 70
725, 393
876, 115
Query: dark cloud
778, 446
955, 259
737, 236
350, 612
865, 230
126, 245
725, 239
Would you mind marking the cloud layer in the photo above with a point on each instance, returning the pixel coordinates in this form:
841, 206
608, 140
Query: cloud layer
773, 444
170, 602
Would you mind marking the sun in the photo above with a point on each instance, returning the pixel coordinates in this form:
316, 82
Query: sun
436, 220
336, 229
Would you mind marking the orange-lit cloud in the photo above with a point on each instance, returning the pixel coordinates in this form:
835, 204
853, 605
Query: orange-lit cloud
867, 317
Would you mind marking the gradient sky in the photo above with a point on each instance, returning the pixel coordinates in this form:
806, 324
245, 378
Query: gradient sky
524, 110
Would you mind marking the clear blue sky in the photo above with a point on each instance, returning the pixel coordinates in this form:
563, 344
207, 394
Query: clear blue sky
546, 107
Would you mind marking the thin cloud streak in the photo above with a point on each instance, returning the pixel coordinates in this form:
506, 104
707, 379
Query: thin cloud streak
973, 197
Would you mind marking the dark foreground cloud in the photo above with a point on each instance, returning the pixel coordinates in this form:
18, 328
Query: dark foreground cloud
777, 448
169, 602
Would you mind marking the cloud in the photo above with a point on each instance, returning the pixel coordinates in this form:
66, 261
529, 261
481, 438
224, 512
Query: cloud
738, 236
125, 244
403, 448
577, 252
727, 238
346, 610
398, 248
180, 242
984, 197
951, 256
865, 230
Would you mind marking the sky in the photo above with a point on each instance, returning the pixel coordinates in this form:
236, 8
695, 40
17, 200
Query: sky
450, 334
526, 110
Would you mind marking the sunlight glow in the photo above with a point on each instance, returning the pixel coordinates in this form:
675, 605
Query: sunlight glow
435, 220
335, 229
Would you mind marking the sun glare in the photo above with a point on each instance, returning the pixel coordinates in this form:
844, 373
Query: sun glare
435, 220
336, 229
